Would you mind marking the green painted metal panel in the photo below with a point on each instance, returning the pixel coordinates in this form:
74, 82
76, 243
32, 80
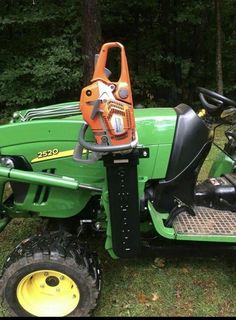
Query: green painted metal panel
223, 164
206, 238
39, 131
48, 146
155, 126
169, 233
60, 204
158, 222
162, 161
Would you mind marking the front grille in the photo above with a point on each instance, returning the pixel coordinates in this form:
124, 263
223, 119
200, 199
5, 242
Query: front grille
42, 192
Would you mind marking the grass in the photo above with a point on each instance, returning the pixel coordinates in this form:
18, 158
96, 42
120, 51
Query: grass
166, 287
220, 140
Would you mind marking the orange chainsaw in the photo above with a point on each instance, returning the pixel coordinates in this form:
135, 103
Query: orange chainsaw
107, 107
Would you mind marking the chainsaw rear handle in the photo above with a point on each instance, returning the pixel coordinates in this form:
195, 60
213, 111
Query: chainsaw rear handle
101, 147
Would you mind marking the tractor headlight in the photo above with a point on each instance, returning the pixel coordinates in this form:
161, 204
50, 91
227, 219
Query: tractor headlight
7, 162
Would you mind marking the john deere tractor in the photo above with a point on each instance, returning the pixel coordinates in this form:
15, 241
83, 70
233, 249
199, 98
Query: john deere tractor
99, 164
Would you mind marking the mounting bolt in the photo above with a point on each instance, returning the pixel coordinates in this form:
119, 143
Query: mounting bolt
15, 115
145, 153
97, 225
104, 139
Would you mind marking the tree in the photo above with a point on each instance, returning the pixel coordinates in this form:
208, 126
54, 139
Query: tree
40, 55
173, 46
219, 69
90, 36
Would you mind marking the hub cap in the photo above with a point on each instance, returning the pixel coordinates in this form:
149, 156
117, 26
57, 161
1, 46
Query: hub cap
48, 293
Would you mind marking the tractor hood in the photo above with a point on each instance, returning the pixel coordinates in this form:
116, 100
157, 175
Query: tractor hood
155, 126
46, 143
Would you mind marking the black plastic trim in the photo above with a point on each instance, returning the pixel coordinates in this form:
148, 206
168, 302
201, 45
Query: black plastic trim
191, 136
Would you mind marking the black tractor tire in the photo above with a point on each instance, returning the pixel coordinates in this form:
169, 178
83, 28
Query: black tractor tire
56, 256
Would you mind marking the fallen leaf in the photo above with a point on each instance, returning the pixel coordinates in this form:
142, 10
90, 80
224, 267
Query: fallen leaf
160, 262
178, 294
184, 270
142, 298
155, 297
147, 304
178, 291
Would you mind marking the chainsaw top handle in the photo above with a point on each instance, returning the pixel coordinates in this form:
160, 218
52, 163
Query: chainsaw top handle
100, 74
107, 108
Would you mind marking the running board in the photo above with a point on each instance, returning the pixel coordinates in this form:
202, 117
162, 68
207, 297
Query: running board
206, 222
187, 249
208, 225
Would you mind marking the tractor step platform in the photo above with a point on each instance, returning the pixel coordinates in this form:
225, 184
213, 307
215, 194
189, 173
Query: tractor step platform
206, 221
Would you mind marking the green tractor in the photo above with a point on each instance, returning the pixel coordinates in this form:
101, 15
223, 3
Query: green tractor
79, 178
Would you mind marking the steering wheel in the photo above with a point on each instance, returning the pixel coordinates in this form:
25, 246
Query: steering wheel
216, 100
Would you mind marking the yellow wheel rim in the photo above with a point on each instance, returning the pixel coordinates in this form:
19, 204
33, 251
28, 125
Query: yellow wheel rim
48, 293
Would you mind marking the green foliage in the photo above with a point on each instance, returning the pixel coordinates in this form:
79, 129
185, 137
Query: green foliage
41, 59
229, 47
170, 45
164, 40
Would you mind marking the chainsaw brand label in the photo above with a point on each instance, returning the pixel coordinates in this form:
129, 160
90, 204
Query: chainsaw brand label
117, 124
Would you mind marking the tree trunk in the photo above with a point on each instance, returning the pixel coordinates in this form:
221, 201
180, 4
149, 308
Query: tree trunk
219, 71
91, 36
